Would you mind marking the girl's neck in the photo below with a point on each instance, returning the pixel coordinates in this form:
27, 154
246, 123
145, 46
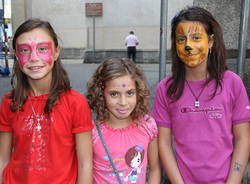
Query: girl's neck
117, 124
38, 87
197, 73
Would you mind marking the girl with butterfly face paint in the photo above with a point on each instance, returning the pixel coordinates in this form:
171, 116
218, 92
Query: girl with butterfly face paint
47, 123
203, 105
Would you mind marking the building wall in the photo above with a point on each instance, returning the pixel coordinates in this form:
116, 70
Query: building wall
119, 17
229, 19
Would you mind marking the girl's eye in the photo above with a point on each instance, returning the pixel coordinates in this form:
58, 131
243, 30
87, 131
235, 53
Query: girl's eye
42, 50
130, 93
113, 94
24, 51
181, 40
196, 38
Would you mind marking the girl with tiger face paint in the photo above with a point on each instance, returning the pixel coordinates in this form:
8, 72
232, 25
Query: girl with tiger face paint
203, 105
192, 43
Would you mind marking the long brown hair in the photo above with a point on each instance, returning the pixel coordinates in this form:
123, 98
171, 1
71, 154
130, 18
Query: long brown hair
109, 69
20, 85
216, 63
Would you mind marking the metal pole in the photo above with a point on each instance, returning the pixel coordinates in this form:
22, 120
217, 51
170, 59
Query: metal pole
94, 38
162, 64
163, 38
3, 15
242, 36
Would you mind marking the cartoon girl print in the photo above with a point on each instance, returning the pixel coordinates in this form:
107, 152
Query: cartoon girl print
134, 158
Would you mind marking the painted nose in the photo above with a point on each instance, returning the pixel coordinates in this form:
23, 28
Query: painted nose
188, 48
34, 55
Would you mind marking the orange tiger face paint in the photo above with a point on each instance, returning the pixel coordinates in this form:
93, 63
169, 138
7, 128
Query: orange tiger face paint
192, 43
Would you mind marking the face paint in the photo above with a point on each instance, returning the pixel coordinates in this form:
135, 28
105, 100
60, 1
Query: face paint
23, 53
27, 51
124, 85
191, 43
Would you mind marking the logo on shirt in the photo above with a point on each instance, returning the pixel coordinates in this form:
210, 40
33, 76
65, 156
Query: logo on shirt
211, 112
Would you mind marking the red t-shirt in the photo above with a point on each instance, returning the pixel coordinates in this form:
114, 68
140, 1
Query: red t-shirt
45, 152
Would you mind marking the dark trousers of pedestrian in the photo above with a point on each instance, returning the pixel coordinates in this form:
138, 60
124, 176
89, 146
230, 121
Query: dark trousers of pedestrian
131, 53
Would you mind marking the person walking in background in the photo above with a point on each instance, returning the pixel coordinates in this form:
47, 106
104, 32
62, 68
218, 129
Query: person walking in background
131, 42
118, 94
45, 126
203, 105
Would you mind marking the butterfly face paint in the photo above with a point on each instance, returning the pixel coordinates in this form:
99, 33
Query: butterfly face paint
42, 50
192, 43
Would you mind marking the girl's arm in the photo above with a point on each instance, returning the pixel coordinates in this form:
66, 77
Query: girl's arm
240, 154
85, 157
154, 163
167, 156
5, 151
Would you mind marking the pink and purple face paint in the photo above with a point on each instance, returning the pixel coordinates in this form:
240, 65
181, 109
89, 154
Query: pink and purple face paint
42, 50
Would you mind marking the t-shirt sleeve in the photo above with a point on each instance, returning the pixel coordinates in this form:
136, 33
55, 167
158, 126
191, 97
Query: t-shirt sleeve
81, 115
5, 122
160, 107
241, 105
95, 135
150, 127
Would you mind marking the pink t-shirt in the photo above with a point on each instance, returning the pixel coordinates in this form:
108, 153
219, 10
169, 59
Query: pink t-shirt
203, 136
128, 149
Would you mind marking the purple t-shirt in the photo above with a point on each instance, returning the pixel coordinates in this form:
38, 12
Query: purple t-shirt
203, 136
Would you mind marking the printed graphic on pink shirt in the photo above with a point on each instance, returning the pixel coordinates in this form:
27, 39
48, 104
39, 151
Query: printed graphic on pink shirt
134, 172
134, 158
36, 131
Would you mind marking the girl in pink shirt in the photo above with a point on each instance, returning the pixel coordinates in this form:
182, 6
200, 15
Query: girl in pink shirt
118, 95
203, 105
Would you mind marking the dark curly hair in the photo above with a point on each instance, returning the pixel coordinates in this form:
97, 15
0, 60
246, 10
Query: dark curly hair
109, 69
216, 63
20, 86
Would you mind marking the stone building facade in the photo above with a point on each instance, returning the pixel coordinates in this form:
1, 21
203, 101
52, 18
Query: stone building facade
118, 18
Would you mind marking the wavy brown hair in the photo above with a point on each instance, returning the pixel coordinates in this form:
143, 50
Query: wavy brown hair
20, 85
113, 68
216, 63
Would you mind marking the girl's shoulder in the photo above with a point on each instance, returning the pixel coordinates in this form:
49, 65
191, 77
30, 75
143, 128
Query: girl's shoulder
232, 79
73, 94
165, 80
164, 84
148, 125
73, 97
6, 99
95, 135
229, 75
74, 102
